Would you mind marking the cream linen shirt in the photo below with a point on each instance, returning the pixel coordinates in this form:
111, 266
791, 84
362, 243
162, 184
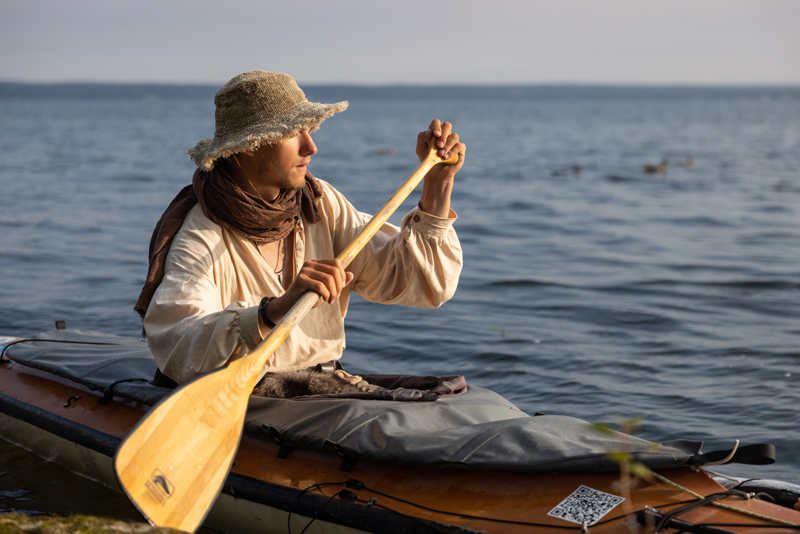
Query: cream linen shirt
205, 311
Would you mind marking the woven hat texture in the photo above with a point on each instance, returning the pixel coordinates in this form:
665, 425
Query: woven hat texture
259, 107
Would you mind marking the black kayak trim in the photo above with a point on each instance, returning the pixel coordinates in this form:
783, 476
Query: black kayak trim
77, 433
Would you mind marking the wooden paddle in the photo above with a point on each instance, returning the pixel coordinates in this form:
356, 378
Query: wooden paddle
174, 462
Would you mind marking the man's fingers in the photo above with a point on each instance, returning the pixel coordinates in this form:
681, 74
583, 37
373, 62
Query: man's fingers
437, 129
319, 287
330, 284
341, 275
449, 146
325, 277
444, 133
460, 149
447, 143
424, 137
422, 143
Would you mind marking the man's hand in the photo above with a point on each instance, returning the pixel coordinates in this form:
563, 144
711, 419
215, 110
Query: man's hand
438, 184
327, 278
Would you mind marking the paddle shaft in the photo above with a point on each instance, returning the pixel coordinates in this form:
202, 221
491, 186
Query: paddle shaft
174, 462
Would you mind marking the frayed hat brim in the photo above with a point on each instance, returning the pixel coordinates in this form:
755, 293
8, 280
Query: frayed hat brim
306, 117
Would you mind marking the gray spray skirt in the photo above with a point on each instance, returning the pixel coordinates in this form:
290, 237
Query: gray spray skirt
467, 427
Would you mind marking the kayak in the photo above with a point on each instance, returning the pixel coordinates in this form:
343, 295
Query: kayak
466, 462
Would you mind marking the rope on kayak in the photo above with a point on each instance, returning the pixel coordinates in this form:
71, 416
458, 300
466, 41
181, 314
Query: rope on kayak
373, 502
358, 485
584, 528
726, 506
720, 475
297, 499
685, 506
317, 512
350, 496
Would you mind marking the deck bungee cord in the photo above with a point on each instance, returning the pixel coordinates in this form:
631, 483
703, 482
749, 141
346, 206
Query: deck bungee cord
728, 507
349, 496
647, 516
300, 495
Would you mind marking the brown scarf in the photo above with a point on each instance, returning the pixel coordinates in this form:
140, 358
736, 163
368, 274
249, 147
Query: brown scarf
226, 204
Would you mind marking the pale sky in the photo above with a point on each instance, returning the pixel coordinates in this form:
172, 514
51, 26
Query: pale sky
405, 41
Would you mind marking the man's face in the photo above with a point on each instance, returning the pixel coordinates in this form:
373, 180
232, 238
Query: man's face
284, 163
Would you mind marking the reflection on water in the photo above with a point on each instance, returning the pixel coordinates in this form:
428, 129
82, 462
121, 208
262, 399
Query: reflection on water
33, 486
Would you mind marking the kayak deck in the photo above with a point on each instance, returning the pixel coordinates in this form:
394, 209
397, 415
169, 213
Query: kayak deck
491, 501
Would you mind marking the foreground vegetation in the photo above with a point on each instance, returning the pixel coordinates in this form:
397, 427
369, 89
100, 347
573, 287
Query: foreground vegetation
75, 524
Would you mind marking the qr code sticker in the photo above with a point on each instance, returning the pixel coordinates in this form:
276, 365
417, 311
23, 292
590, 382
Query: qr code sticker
585, 504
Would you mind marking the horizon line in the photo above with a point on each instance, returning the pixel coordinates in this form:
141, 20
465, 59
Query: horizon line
426, 85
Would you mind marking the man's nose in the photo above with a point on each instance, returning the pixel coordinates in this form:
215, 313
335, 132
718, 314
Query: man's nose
307, 146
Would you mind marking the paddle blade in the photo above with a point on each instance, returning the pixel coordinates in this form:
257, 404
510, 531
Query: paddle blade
174, 463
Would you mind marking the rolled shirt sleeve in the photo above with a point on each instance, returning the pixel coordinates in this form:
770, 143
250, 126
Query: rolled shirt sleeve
417, 264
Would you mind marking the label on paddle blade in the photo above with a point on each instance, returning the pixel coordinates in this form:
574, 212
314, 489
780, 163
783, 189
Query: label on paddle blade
159, 488
585, 504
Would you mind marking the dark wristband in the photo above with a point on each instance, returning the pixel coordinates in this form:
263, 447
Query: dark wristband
262, 311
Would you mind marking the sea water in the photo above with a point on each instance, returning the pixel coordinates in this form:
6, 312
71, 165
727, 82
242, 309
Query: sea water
590, 288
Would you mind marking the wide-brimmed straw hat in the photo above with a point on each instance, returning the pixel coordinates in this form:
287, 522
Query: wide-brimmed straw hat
255, 108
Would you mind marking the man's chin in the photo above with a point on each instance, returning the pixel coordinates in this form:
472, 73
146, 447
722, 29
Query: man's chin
294, 184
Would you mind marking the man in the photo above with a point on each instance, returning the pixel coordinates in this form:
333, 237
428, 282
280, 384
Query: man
236, 249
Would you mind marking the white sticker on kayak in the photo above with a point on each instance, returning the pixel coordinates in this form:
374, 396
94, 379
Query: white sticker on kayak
585, 504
